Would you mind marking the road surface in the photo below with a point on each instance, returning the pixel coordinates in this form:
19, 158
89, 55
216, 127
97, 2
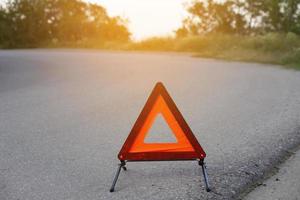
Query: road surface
283, 185
64, 115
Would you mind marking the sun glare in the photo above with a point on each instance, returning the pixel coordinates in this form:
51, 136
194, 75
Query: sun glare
147, 18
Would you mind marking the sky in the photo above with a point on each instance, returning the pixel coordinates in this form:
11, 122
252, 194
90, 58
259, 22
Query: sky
147, 18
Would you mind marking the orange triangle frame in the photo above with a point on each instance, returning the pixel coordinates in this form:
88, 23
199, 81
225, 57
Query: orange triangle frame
187, 146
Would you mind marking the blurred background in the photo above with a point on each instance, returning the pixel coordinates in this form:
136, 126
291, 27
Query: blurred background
249, 30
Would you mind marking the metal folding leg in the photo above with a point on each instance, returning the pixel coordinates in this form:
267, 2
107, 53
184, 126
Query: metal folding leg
202, 163
120, 166
123, 163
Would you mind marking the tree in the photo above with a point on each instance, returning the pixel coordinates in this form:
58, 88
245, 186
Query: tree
4, 27
210, 16
242, 16
34, 23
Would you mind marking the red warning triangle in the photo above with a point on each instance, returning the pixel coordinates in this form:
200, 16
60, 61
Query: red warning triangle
186, 148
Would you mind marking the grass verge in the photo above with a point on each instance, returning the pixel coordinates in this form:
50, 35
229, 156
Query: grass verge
273, 48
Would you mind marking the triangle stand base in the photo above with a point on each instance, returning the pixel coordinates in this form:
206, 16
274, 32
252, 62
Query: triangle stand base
123, 163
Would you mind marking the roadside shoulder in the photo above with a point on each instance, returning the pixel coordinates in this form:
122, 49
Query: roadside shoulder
283, 185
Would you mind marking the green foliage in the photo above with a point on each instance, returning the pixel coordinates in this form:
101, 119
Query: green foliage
210, 16
292, 59
274, 48
272, 42
33, 23
241, 17
249, 30
154, 44
3, 26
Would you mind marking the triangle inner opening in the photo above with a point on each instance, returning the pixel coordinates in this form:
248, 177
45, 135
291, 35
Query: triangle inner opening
160, 132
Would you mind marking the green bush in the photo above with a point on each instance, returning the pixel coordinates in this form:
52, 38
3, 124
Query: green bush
292, 58
191, 43
269, 48
292, 40
213, 42
271, 42
154, 44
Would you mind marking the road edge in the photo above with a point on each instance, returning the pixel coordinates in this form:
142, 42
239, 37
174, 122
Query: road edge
268, 172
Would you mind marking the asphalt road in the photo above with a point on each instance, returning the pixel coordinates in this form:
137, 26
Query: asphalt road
283, 185
65, 114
